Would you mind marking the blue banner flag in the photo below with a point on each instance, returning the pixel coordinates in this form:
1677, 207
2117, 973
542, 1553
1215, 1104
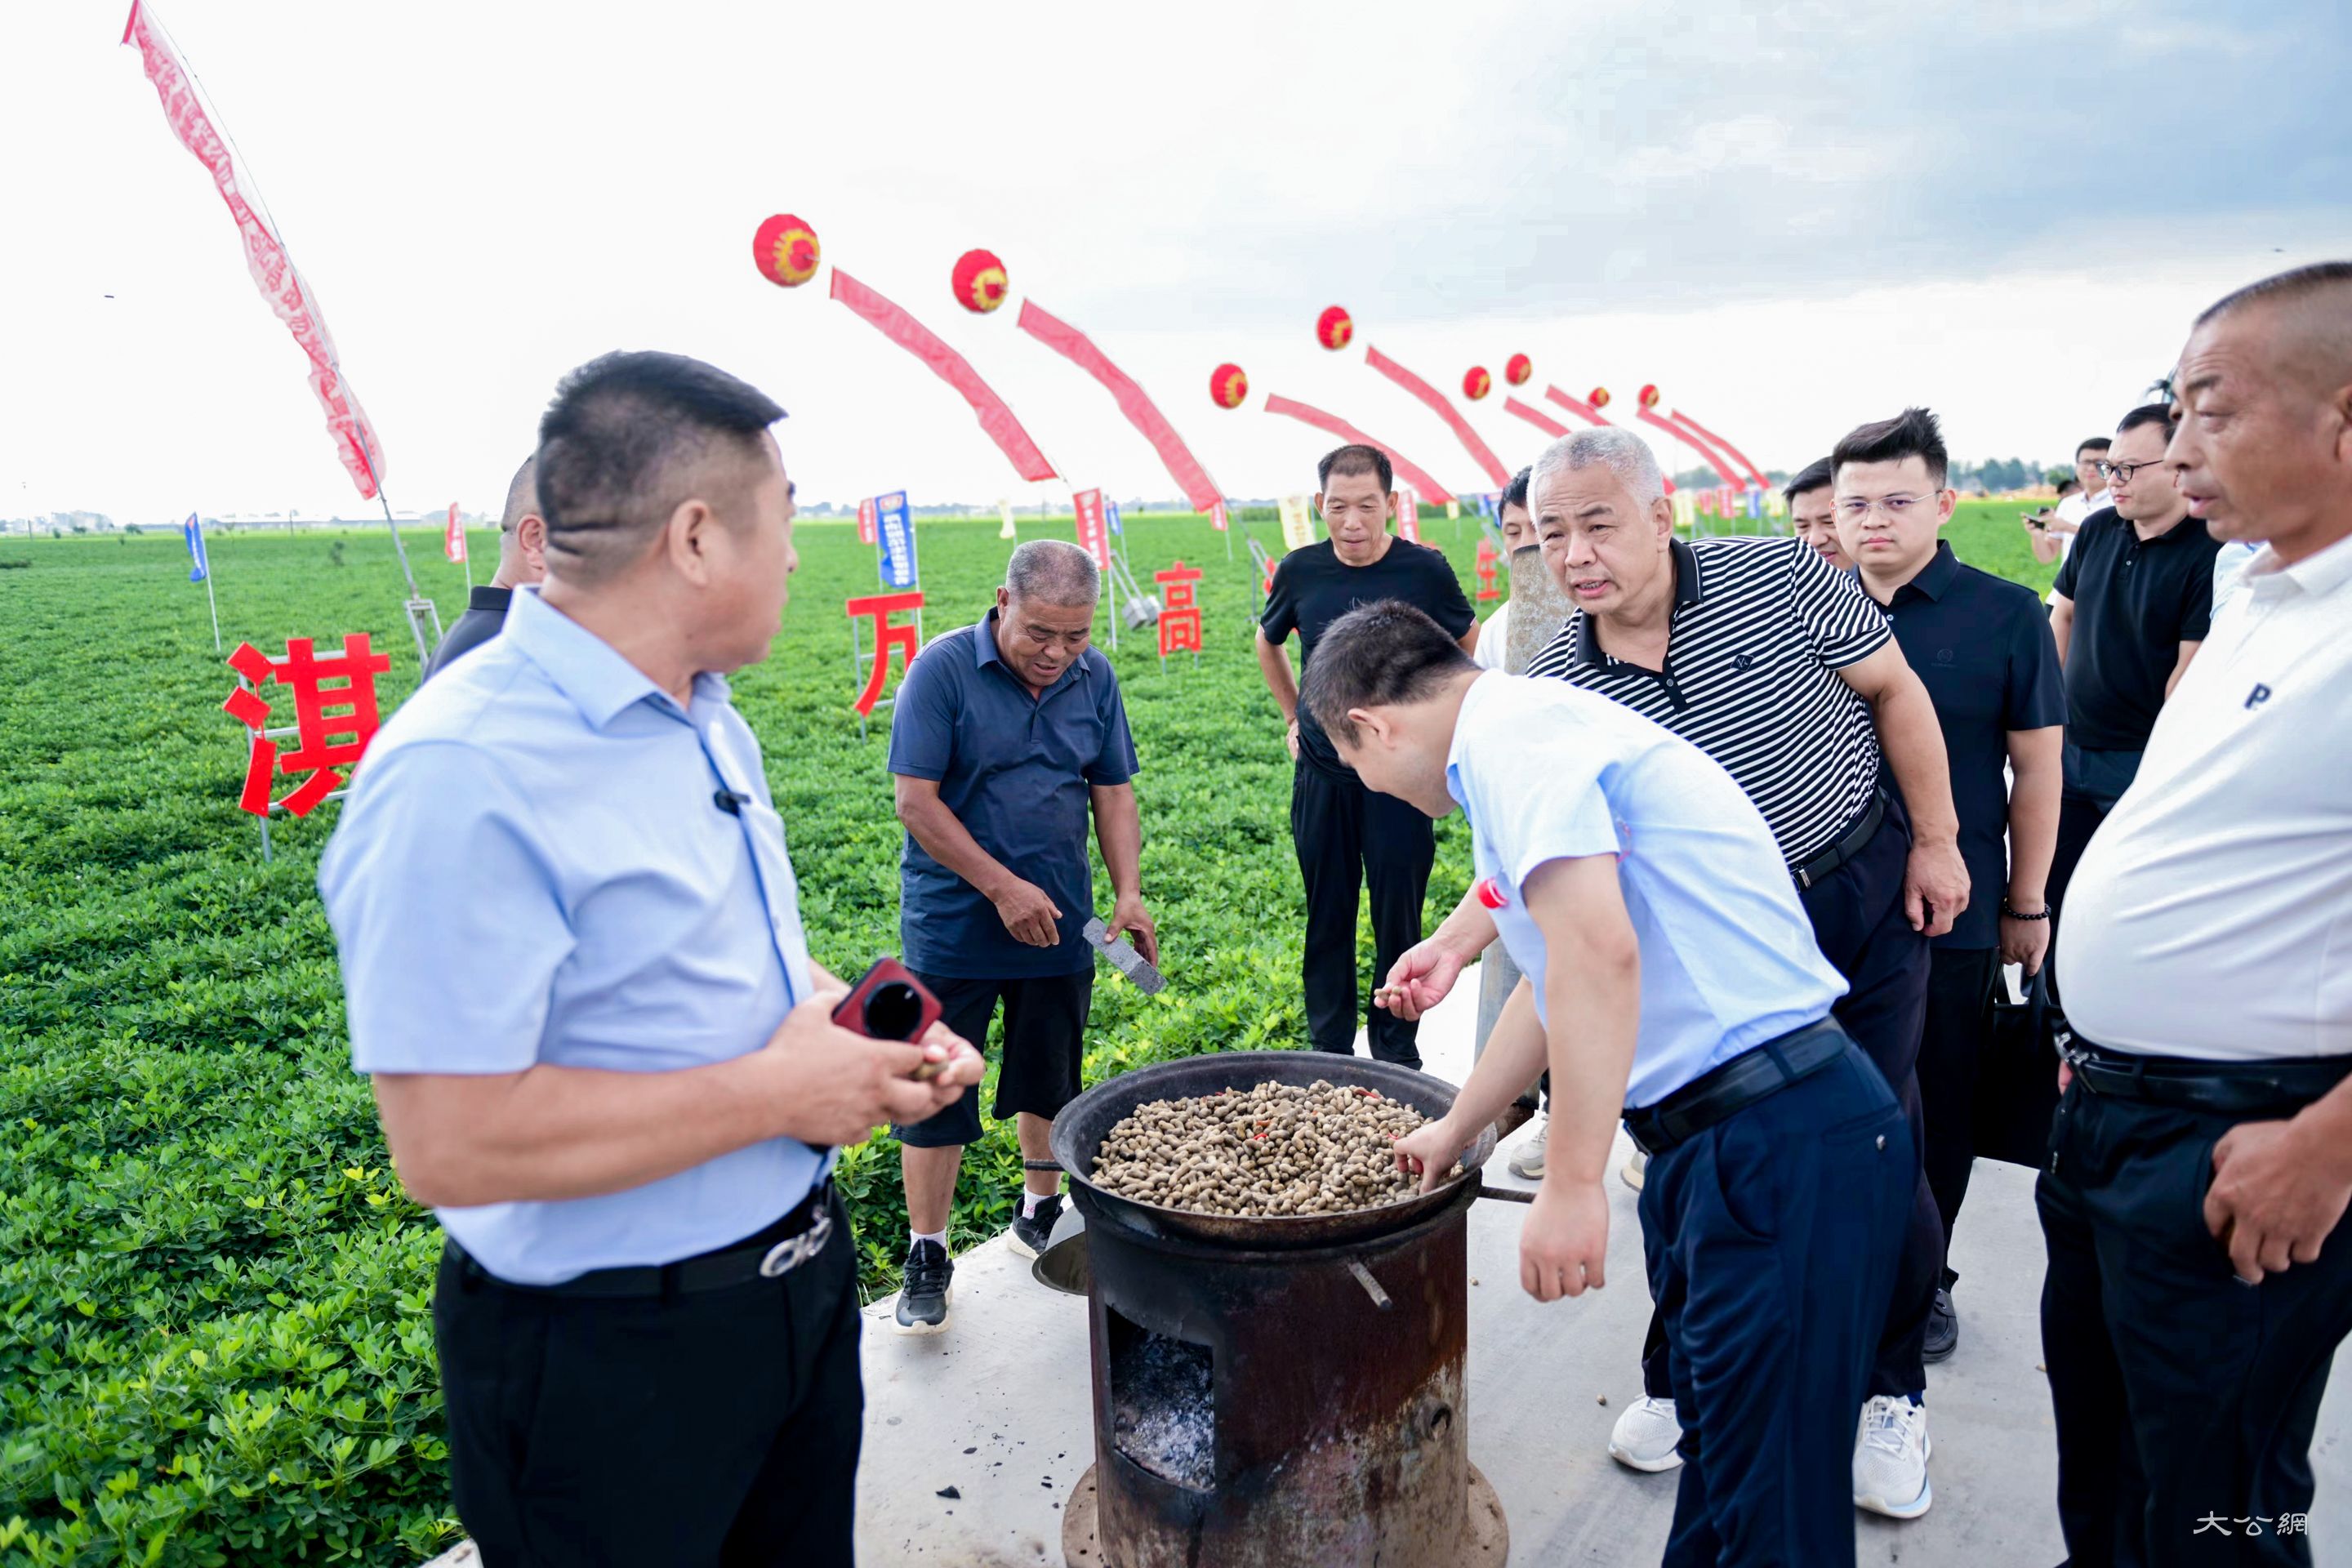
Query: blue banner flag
194, 532
1110, 514
894, 537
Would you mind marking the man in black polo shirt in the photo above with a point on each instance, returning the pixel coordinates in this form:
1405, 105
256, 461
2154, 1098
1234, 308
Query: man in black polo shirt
1346, 834
1005, 736
2130, 606
523, 560
1779, 666
1982, 648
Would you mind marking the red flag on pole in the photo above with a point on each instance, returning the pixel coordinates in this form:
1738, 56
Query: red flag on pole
1094, 534
996, 415
452, 536
1755, 474
1414, 475
1443, 407
1200, 490
265, 256
1537, 417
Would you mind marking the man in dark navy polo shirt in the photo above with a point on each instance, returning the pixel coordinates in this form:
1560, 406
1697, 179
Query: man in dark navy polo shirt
2130, 606
523, 561
1982, 648
1005, 735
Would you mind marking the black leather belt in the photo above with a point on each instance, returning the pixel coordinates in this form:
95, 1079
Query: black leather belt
1848, 843
1722, 1092
2224, 1089
775, 1250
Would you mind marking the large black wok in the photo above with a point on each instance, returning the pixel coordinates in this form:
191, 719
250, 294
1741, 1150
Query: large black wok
1086, 1121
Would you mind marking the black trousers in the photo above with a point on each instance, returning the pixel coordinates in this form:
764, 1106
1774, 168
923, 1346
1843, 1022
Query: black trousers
2181, 1397
1960, 988
1347, 836
714, 1429
1774, 1237
1859, 923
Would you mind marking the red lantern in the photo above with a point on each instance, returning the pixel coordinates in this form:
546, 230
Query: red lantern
1517, 368
1228, 385
1334, 327
1476, 382
785, 251
1649, 397
979, 282
1600, 398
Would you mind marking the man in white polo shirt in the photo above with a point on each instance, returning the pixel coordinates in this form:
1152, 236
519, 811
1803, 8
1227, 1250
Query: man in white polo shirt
2201, 1160
1672, 976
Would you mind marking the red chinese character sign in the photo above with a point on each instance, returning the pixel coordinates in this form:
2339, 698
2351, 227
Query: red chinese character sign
1094, 529
1179, 618
866, 521
906, 640
1487, 558
323, 741
1407, 514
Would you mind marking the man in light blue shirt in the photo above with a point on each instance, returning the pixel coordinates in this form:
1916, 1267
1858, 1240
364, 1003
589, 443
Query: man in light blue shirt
575, 968
1671, 978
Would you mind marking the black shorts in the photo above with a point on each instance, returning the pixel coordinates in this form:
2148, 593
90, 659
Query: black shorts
1045, 1036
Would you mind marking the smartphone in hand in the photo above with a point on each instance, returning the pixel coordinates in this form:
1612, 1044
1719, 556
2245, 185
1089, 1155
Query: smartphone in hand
890, 1004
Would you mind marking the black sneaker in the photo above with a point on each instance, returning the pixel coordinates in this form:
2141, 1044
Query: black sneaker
1030, 1233
1943, 1328
925, 1289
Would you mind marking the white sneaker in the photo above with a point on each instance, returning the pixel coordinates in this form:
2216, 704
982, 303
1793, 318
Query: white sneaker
1890, 1458
1645, 1436
1636, 1170
1529, 1160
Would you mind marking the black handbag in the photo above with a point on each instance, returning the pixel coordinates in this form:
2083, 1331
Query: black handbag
2017, 1079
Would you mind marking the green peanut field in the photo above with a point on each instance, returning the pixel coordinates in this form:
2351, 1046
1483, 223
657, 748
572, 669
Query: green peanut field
215, 1337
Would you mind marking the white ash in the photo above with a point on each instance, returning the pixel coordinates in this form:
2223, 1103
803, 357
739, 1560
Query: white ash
1160, 1410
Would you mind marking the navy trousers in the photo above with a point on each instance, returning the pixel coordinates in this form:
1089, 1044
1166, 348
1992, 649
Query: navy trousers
1772, 1239
1858, 921
2185, 1401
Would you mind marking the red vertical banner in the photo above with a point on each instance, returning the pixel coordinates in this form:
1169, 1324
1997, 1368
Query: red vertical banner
452, 536
1408, 513
1094, 534
866, 520
1218, 517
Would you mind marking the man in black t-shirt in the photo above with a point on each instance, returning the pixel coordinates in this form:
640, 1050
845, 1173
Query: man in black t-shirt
1347, 835
2130, 606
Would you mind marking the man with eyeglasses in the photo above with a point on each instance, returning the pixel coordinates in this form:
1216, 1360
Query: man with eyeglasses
2054, 537
1983, 647
2131, 603
1778, 665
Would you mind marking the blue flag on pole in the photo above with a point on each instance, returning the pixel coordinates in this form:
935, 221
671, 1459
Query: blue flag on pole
194, 531
894, 535
1110, 516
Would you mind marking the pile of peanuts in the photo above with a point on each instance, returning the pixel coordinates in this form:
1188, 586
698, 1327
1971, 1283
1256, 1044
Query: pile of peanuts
1278, 1149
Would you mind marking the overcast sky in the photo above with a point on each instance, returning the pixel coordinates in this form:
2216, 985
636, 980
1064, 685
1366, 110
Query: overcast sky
1791, 222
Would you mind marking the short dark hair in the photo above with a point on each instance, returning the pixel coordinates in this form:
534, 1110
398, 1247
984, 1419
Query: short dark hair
522, 495
1516, 492
616, 446
2146, 414
1376, 655
2069, 483
1914, 432
1812, 477
2096, 444
1355, 459
2282, 288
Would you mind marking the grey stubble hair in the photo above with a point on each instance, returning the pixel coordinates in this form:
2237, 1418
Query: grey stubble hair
1053, 571
1623, 453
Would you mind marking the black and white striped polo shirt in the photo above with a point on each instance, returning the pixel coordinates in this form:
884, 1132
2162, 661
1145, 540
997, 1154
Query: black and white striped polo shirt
1760, 628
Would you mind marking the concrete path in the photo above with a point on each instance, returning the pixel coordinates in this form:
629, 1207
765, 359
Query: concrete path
996, 1408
